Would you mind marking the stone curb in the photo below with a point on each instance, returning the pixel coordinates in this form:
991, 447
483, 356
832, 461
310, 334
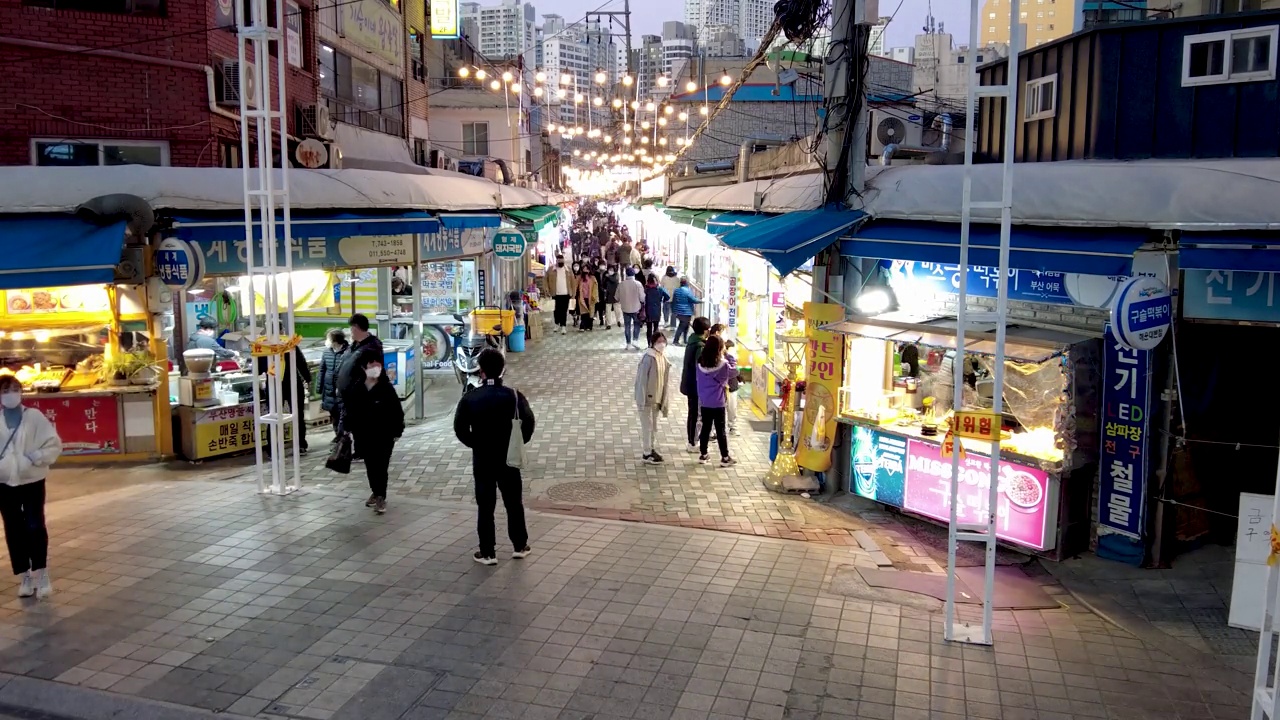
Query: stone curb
25, 697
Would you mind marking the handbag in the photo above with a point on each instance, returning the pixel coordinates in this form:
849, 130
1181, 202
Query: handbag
515, 445
339, 460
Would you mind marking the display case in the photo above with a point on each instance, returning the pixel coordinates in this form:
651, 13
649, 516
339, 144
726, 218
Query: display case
898, 392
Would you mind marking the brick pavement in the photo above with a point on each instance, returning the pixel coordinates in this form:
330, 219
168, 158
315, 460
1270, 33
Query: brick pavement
309, 606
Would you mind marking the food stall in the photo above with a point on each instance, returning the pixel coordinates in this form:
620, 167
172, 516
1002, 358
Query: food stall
897, 393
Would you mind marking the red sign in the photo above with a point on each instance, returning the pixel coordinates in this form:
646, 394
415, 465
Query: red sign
87, 424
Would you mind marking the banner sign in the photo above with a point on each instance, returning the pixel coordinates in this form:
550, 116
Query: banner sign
824, 367
1230, 295
228, 257
374, 26
977, 424
453, 243
86, 424
1126, 403
879, 465
293, 34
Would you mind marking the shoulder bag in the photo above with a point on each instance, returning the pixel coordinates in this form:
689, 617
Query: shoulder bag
515, 446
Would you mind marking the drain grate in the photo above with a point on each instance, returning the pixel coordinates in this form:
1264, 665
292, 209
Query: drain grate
582, 491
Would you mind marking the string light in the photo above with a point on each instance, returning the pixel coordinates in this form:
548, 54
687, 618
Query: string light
662, 141
644, 139
725, 79
561, 93
506, 76
626, 141
537, 92
601, 77
635, 104
703, 110
480, 74
566, 79
668, 110
597, 101
626, 127
649, 106
627, 80
662, 121
662, 81
617, 102
495, 84
608, 138
690, 86
515, 88
684, 116
577, 98
464, 72
540, 76
644, 125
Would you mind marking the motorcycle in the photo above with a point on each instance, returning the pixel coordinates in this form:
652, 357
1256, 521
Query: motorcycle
467, 346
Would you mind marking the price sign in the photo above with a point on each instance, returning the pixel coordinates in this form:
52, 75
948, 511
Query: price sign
977, 424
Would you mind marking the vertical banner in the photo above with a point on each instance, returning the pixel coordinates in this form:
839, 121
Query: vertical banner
733, 297
824, 366
1126, 403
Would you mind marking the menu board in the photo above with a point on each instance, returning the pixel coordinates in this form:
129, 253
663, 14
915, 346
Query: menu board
56, 300
87, 424
439, 295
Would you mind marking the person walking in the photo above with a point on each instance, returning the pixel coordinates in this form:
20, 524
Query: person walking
683, 304
293, 365
609, 298
562, 286
30, 445
654, 298
376, 419
365, 346
588, 296
669, 282
335, 347
713, 389
483, 422
689, 379
631, 302
653, 377
735, 382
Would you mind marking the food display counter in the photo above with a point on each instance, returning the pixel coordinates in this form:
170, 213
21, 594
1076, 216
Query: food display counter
898, 396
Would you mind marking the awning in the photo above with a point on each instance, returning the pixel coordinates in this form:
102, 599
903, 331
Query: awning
728, 221
539, 216
57, 250
342, 225
1091, 251
696, 218
1254, 251
469, 221
788, 241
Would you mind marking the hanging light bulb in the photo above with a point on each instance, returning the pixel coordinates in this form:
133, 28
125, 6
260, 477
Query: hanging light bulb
683, 116
644, 139
627, 80
480, 74
464, 72
617, 102
601, 77
577, 153
690, 86
662, 121
641, 151
578, 131
668, 110
703, 110
537, 92
680, 142
597, 101
644, 125
540, 76
626, 141
566, 79
495, 85
506, 76
608, 138
725, 79
662, 141
561, 93
662, 81
577, 98
515, 88
635, 104
649, 106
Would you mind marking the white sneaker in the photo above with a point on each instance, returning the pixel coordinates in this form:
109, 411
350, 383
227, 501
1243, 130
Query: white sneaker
44, 587
562, 331
691, 449
28, 587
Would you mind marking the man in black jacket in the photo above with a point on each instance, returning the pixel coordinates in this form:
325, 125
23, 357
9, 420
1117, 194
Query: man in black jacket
287, 365
689, 377
364, 346
483, 422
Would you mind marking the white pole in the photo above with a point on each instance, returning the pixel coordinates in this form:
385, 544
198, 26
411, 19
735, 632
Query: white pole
1266, 701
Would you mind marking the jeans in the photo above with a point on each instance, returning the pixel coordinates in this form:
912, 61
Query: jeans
376, 452
630, 326
691, 423
682, 332
22, 507
668, 317
489, 482
561, 312
731, 409
714, 416
650, 329
648, 427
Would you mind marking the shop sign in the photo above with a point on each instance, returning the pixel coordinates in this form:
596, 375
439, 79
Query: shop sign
824, 368
977, 424
374, 26
760, 384
509, 245
733, 299
778, 299
879, 463
293, 34
178, 263
59, 301
916, 278
1141, 313
444, 19
229, 429
1022, 505
482, 288
1230, 295
87, 424
452, 243
1126, 404
229, 257
310, 153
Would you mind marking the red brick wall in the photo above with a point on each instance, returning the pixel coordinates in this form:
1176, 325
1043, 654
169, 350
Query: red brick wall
68, 96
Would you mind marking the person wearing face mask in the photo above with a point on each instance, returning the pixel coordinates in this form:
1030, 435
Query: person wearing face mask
653, 378
30, 445
376, 420
588, 296
335, 346
609, 298
561, 285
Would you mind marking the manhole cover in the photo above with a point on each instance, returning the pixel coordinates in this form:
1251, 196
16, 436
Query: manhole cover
585, 491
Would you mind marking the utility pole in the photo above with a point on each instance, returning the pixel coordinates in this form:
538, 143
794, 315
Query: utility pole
847, 114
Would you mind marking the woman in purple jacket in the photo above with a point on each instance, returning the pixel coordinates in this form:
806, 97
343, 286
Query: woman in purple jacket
713, 385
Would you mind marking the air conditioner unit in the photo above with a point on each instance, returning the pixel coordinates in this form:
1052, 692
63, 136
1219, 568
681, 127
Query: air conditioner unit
898, 127
315, 121
235, 80
451, 164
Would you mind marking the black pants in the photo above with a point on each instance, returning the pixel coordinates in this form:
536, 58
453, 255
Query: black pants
716, 416
335, 417
301, 409
600, 312
691, 424
489, 482
22, 507
376, 452
561, 312
650, 329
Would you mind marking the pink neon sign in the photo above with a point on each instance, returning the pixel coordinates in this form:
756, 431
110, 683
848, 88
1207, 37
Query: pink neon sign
1021, 507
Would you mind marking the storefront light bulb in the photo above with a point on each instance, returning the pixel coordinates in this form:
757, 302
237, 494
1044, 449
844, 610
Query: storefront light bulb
668, 110
644, 125
540, 76
480, 74
464, 72
601, 77
662, 81
704, 110
649, 107
506, 76
690, 86
537, 92
635, 104
644, 140
662, 141
725, 80
566, 79
608, 138
515, 88
617, 102
873, 301
577, 98
626, 141
627, 80
578, 131
683, 116
577, 153
597, 101
495, 85
626, 127
41, 336
560, 93
662, 121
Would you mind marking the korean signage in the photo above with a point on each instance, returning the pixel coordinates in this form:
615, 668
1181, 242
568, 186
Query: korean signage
977, 424
1253, 547
733, 299
935, 278
508, 244
1141, 313
1126, 403
879, 465
87, 424
228, 257
374, 26
824, 369
1022, 505
293, 33
178, 263
1230, 295
482, 288
228, 429
453, 243
444, 19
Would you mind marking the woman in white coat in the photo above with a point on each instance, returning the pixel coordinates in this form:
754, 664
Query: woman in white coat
653, 378
30, 445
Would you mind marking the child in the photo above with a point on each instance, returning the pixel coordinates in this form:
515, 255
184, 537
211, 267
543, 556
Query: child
731, 403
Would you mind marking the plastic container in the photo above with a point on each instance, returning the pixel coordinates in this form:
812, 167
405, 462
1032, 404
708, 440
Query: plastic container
515, 341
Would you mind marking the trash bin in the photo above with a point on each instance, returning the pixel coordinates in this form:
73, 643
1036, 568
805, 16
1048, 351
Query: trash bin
515, 341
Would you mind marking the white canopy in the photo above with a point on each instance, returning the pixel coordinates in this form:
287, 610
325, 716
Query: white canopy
777, 195
49, 189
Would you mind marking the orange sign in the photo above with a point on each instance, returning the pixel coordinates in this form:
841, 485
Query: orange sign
977, 424
824, 370
950, 446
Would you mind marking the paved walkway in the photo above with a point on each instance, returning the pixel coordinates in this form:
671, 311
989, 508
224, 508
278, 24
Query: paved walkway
309, 606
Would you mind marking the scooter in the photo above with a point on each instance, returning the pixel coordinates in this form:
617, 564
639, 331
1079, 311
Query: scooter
467, 346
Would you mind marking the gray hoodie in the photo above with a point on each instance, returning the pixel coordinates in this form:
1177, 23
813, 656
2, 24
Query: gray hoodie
653, 378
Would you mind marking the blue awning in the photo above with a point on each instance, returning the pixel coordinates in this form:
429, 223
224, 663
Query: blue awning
788, 241
1091, 251
730, 221
57, 250
1255, 251
469, 221
342, 225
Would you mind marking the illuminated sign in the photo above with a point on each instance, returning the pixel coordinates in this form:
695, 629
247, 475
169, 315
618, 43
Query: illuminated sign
444, 18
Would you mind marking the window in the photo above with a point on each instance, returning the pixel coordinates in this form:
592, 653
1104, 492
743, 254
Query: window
148, 8
991, 16
79, 153
475, 138
1229, 57
417, 62
360, 94
1042, 98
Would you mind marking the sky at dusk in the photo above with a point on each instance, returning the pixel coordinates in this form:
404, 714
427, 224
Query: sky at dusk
647, 16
